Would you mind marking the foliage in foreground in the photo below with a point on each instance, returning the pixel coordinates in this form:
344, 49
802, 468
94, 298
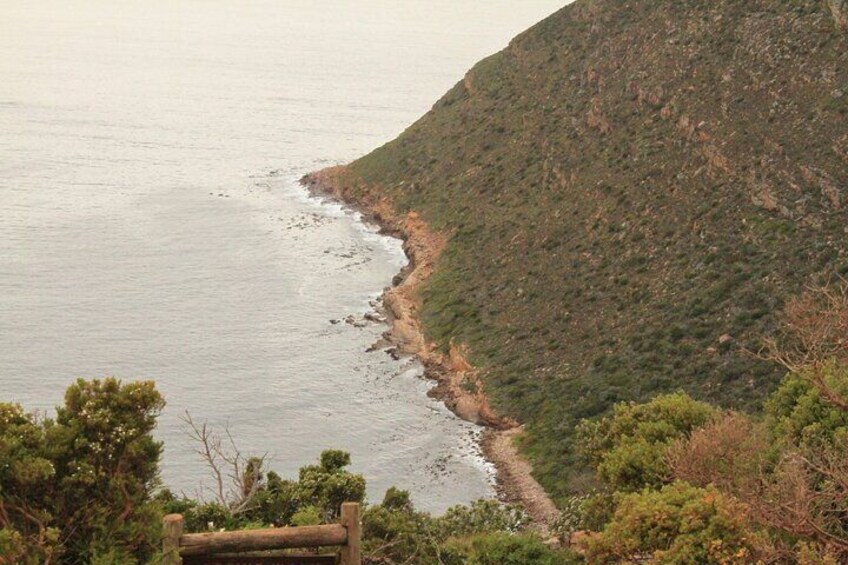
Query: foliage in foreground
677, 480
703, 486
627, 447
677, 524
734, 490
77, 488
81, 488
393, 531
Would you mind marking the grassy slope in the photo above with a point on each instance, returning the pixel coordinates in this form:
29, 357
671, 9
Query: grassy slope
631, 189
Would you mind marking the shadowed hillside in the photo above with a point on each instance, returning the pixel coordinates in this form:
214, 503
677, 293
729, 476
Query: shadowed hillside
631, 190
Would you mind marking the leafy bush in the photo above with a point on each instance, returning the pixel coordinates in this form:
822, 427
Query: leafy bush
501, 548
394, 532
791, 471
801, 413
727, 453
397, 499
306, 516
313, 499
678, 524
628, 448
398, 534
571, 517
327, 485
78, 488
482, 516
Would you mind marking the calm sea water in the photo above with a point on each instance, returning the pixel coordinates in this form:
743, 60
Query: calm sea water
151, 226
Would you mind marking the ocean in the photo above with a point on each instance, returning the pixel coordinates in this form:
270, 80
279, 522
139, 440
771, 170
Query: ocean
152, 225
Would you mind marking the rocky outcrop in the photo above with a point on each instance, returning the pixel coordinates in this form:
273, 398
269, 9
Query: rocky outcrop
839, 9
457, 382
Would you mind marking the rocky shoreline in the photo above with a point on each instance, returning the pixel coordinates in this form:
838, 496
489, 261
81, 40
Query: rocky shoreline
457, 382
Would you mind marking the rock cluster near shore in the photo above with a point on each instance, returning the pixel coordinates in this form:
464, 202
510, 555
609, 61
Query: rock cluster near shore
457, 382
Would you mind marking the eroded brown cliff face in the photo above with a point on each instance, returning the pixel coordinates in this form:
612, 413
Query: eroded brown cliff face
457, 382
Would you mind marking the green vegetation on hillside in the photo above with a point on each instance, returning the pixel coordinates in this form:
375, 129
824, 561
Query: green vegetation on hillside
631, 191
682, 482
733, 490
676, 480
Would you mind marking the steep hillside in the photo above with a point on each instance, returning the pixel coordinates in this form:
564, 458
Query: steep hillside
630, 191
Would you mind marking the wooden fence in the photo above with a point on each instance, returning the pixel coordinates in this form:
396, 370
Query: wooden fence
250, 547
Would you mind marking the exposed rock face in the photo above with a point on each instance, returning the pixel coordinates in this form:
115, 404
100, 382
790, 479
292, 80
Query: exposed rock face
458, 383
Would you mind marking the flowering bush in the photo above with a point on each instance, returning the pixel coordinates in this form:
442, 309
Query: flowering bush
79, 487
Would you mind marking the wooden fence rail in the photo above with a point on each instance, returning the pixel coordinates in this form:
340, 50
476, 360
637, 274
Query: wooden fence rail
241, 546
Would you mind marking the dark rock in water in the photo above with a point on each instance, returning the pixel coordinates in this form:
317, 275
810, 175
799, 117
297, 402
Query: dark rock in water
375, 317
350, 319
378, 345
394, 353
335, 321
397, 279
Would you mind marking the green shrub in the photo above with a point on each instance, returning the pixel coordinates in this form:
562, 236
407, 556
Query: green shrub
678, 524
399, 535
306, 516
597, 510
275, 501
394, 532
482, 516
209, 516
502, 548
328, 485
397, 499
628, 448
278, 501
800, 413
79, 487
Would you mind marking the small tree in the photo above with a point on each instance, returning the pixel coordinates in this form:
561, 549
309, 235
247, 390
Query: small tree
327, 485
807, 495
814, 337
237, 477
501, 548
80, 486
791, 470
728, 453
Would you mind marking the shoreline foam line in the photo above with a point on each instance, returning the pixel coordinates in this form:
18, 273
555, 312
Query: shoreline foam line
457, 382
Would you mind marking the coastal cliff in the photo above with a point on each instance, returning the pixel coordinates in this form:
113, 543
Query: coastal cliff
616, 205
457, 383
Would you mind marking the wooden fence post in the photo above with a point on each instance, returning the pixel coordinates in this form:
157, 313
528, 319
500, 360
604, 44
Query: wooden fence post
172, 530
351, 553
